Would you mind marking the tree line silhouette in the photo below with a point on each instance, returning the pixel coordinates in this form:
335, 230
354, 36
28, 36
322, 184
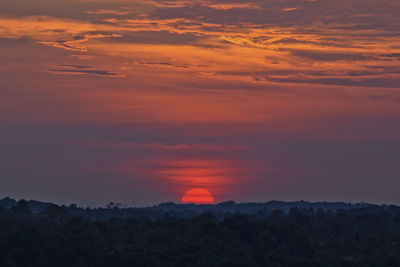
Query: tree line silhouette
366, 236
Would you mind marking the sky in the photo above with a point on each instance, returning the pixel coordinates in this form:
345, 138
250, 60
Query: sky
138, 101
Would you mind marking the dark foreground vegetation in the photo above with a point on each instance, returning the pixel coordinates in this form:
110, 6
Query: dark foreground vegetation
360, 236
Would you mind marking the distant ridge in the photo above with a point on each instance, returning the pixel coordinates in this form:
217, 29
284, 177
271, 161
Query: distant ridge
221, 210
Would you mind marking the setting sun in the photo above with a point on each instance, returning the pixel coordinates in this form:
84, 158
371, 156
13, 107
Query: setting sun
198, 196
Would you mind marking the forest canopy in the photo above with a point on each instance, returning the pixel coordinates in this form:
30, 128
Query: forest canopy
366, 236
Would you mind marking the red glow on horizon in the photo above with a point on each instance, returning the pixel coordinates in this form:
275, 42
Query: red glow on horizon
197, 196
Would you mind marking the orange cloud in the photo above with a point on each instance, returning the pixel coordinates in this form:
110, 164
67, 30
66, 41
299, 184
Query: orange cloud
109, 11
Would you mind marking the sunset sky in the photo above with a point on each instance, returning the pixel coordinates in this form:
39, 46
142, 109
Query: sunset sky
138, 101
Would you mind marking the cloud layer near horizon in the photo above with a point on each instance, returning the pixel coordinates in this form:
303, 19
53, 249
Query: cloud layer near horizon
253, 100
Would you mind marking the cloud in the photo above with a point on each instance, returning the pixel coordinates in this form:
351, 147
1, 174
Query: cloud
83, 70
217, 5
322, 55
75, 66
393, 55
155, 37
290, 9
108, 12
229, 6
163, 64
373, 82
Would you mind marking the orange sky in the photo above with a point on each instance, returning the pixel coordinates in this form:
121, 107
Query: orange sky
252, 100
